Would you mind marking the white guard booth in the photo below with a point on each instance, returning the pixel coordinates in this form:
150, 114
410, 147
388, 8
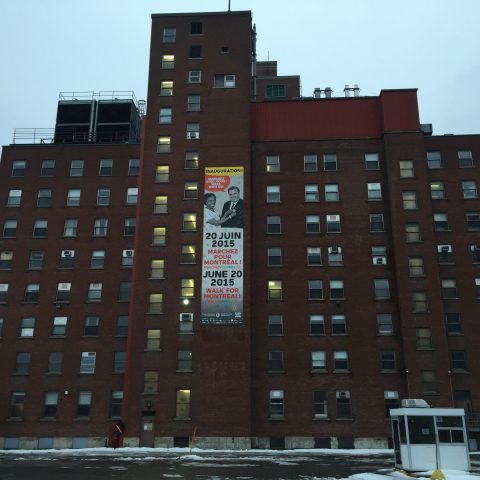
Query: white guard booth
429, 438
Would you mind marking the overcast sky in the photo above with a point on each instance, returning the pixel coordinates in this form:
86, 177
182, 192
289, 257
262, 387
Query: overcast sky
48, 46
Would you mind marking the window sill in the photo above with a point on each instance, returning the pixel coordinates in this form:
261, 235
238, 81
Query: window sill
182, 419
388, 371
342, 371
81, 419
14, 419
321, 419
275, 371
185, 333
152, 349
319, 371
425, 349
47, 419
183, 371
275, 335
53, 373
460, 370
431, 394
154, 313
350, 419
89, 336
58, 336
277, 419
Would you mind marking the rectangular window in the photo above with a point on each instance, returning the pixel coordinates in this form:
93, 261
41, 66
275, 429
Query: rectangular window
63, 292
382, 289
315, 290
273, 193
164, 144
55, 362
14, 198
449, 289
314, 256
44, 198
90, 328
457, 360
162, 174
275, 325
150, 382
419, 300
159, 235
22, 363
59, 328
116, 401
344, 407
182, 409
106, 168
35, 261
195, 51
32, 291
157, 269
94, 292
412, 233
274, 256
189, 222
84, 403
317, 325
187, 287
337, 291
10, 229
224, 81
50, 404
340, 360
274, 290
133, 167
318, 361
409, 200
469, 188
3, 292
372, 161
155, 303
429, 382
465, 159
391, 401
320, 409
195, 76
477, 287
166, 88
73, 197
124, 291
193, 131
416, 267
190, 191
193, 103
87, 362
274, 224
406, 168
434, 160
437, 190
385, 324
275, 361
97, 260
119, 359
333, 224
18, 168
311, 193
191, 160
103, 196
454, 325
379, 255
331, 192
169, 35
6, 258
132, 195
17, 402
76, 168
310, 163
70, 227
188, 254
168, 61
473, 221
329, 162
277, 407
339, 325
122, 326
445, 253
27, 327
376, 222
387, 360
100, 227
185, 324
184, 360
129, 227
40, 228
272, 163
312, 224
275, 91
374, 191
48, 167
424, 337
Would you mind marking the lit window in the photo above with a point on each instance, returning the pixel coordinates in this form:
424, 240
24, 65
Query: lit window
32, 291
97, 259
87, 362
3, 292
100, 227
18, 168
166, 88
424, 337
185, 323
274, 290
164, 144
190, 191
409, 200
310, 163
337, 291
48, 167
449, 289
277, 406
473, 221
84, 403
133, 167
90, 328
376, 222
340, 360
475, 249
469, 188
274, 256
335, 256
159, 235
419, 302
317, 325
311, 193
374, 191
272, 163
6, 258
320, 407
70, 227
103, 196
314, 256
429, 382
182, 409
445, 253
189, 222
385, 324
315, 290
169, 35
437, 190
191, 159
165, 115
106, 168
63, 292
331, 192
275, 91
184, 360
339, 325
127, 257
434, 160
73, 197
406, 168
40, 228
157, 268
132, 195
465, 159
168, 61
312, 224
195, 76
59, 328
76, 168
333, 224
382, 289
155, 303
94, 292
387, 360
329, 162
275, 361
224, 81
35, 261
150, 382
412, 233
193, 103
129, 227
274, 224
162, 174
188, 254
372, 161
14, 198
415, 267
195, 51
275, 325
187, 287
44, 198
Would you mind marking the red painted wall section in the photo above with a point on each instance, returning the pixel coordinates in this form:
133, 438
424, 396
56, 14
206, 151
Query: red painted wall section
400, 110
307, 119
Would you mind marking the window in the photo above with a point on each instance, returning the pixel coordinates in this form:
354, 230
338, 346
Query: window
477, 287
27, 327
274, 290
182, 409
339, 325
185, 323
55, 362
44, 198
272, 163
312, 223
314, 256
445, 253
100, 227
119, 359
48, 167
379, 255
189, 222
317, 325
429, 382
331, 192
166, 90
14, 198
63, 292
318, 361
434, 160
385, 324
382, 289
469, 188
84, 403
311, 193
195, 51
169, 35
73, 197
337, 291
273, 193
277, 407
188, 254
440, 221
59, 326
193, 131
133, 167
70, 227
419, 300
329, 162
374, 191
18, 168
340, 360
129, 227
310, 163
106, 168
415, 267
94, 292
409, 200
195, 76
159, 236
116, 401
17, 402
90, 328
50, 405
274, 256
31, 292
454, 325
275, 91
344, 407
132, 195
437, 190
127, 257
40, 228
191, 159
150, 382
391, 401
190, 191
275, 361
376, 222
372, 161
103, 197
473, 221
124, 291
275, 325
333, 224
193, 103
155, 303
162, 174
274, 224
168, 61
406, 169
122, 326
465, 159
320, 409
187, 287
387, 360
224, 81
76, 168
35, 261
6, 257
87, 363
22, 363
412, 233
97, 260
10, 228
184, 360
315, 290
424, 337
449, 289
3, 292
164, 144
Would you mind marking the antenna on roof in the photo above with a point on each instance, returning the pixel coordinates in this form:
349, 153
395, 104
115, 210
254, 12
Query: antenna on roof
228, 5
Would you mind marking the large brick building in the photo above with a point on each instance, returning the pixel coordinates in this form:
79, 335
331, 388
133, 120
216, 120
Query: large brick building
337, 273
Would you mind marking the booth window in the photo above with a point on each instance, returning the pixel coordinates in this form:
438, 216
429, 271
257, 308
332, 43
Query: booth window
421, 430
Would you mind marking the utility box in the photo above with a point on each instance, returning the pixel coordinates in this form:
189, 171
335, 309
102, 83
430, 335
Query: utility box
429, 438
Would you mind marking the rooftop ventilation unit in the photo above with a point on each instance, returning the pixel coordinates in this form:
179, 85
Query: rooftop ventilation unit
414, 403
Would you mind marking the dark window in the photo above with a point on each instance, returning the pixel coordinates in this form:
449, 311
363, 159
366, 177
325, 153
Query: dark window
196, 28
48, 167
275, 91
421, 430
195, 51
275, 325
91, 326
122, 326
453, 323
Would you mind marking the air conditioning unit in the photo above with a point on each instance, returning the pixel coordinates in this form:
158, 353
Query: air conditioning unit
193, 135
128, 253
186, 317
343, 394
414, 403
380, 260
335, 250
68, 253
445, 248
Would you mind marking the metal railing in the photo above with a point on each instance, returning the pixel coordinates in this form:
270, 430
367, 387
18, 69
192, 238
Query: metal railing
472, 419
110, 95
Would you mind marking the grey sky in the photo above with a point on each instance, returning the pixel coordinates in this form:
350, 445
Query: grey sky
48, 46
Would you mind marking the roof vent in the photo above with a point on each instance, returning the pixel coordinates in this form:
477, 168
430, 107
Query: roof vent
414, 403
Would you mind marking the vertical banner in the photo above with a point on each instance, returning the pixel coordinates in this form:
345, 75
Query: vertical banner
222, 259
